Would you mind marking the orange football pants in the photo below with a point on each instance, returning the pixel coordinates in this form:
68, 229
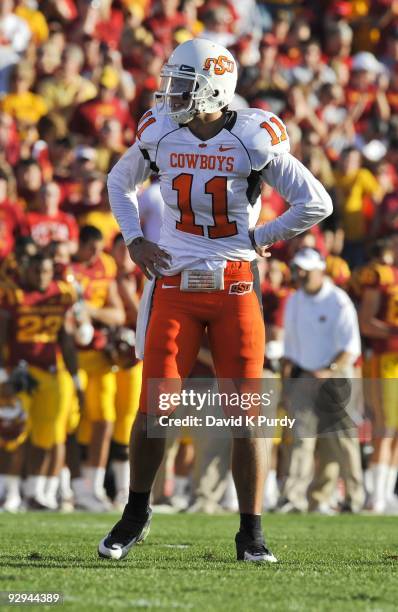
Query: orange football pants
233, 319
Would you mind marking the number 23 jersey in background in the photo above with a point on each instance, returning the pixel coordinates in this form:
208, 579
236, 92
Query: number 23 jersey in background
35, 320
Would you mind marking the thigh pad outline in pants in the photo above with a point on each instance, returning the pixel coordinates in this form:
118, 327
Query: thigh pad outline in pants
172, 342
178, 320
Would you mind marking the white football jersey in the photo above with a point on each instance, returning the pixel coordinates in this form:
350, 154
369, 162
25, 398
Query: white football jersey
211, 188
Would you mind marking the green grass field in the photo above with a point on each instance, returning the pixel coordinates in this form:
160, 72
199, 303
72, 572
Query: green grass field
326, 564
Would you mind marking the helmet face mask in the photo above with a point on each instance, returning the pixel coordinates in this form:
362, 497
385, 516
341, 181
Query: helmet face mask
200, 77
182, 94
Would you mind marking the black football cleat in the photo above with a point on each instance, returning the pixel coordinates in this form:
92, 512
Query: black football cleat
125, 534
253, 549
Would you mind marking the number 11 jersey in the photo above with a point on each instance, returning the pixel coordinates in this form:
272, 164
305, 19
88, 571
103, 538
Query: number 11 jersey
211, 188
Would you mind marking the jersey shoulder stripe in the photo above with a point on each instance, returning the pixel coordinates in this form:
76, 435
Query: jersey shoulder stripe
263, 134
151, 128
144, 123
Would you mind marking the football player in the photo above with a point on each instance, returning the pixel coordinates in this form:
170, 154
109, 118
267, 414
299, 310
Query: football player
211, 162
378, 317
13, 433
95, 272
36, 326
128, 377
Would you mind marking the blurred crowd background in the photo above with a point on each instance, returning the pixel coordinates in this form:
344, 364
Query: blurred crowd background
75, 78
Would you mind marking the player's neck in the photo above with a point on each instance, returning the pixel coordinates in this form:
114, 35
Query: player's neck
207, 125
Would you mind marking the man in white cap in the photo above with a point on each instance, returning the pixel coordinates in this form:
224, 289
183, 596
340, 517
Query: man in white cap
322, 342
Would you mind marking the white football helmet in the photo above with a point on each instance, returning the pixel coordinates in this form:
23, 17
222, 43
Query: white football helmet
199, 77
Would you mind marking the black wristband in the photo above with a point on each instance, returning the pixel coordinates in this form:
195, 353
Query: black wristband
252, 240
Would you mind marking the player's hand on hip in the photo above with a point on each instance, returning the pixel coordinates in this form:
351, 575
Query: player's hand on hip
148, 256
262, 251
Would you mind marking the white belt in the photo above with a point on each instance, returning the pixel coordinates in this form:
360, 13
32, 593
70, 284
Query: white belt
202, 280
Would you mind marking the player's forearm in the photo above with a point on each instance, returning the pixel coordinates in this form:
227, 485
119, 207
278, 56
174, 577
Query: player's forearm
309, 201
377, 329
109, 315
125, 210
69, 353
131, 302
129, 172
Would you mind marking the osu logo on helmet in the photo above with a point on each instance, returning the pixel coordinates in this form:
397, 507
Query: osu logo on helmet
221, 64
241, 287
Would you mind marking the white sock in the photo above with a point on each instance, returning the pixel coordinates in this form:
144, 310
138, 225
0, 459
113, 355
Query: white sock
391, 482
79, 487
95, 477
271, 491
34, 487
380, 474
368, 480
180, 485
65, 483
121, 471
12, 486
51, 489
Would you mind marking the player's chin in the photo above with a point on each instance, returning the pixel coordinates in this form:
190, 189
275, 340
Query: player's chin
177, 107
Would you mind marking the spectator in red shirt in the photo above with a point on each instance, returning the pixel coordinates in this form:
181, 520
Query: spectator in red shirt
165, 18
110, 25
386, 218
90, 116
264, 80
365, 94
275, 291
48, 223
29, 181
11, 218
91, 198
338, 43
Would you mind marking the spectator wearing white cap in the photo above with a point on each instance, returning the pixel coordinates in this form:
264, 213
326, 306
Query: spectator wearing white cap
13, 30
366, 93
364, 60
321, 342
